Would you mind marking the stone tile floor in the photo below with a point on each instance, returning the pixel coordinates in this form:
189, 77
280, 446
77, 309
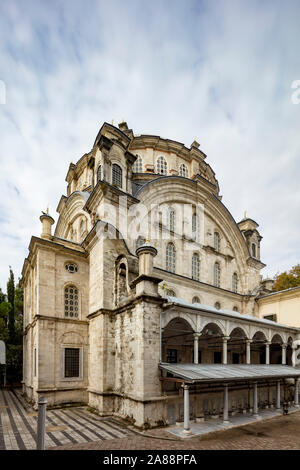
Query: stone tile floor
77, 428
66, 426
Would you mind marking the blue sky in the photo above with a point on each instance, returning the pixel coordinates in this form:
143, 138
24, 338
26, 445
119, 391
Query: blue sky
217, 71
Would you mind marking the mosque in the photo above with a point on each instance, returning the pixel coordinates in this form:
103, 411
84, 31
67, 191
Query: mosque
143, 302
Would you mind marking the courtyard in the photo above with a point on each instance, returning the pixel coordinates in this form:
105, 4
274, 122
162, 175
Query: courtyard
76, 428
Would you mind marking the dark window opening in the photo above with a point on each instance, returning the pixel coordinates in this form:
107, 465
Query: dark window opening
172, 356
72, 368
235, 358
217, 357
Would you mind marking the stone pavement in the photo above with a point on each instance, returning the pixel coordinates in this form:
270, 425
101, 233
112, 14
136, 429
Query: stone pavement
63, 426
279, 433
77, 428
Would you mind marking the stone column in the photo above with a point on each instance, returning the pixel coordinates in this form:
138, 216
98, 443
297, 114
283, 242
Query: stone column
255, 407
268, 352
224, 356
196, 337
248, 351
225, 405
278, 394
283, 353
296, 396
294, 356
47, 222
186, 424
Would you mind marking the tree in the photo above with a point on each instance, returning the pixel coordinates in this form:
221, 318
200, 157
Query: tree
11, 325
287, 279
11, 300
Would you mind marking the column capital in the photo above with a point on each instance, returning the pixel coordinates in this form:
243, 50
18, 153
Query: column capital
268, 343
196, 335
284, 345
249, 341
185, 386
225, 338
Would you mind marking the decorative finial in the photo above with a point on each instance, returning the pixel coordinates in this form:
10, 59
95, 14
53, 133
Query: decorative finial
245, 215
112, 122
47, 211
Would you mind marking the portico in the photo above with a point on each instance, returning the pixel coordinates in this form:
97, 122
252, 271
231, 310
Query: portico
223, 362
197, 378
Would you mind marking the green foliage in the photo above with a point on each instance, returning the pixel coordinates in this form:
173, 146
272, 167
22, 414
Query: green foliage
11, 326
287, 279
11, 300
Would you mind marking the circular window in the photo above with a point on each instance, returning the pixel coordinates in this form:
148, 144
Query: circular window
217, 305
71, 267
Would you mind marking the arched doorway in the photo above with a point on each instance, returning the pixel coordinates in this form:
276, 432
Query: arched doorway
177, 342
258, 348
211, 344
276, 350
289, 351
236, 347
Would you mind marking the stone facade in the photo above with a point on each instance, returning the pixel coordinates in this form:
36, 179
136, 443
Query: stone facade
101, 293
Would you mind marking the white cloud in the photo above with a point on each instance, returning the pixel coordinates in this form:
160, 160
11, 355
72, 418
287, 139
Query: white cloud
219, 71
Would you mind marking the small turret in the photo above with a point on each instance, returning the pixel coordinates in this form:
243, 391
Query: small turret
47, 222
248, 227
146, 282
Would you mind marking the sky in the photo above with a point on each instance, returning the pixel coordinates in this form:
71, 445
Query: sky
218, 71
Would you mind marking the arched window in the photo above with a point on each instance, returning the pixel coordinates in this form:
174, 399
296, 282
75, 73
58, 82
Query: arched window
82, 227
235, 282
253, 248
170, 258
217, 241
183, 171
171, 293
195, 266
217, 273
217, 305
196, 300
235, 309
138, 165
99, 173
171, 220
194, 224
140, 241
161, 166
71, 302
117, 175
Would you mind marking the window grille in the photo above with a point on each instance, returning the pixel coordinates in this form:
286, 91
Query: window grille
99, 173
117, 175
171, 220
161, 166
72, 362
217, 241
195, 266
170, 258
217, 275
234, 282
71, 302
71, 267
138, 165
194, 224
183, 171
